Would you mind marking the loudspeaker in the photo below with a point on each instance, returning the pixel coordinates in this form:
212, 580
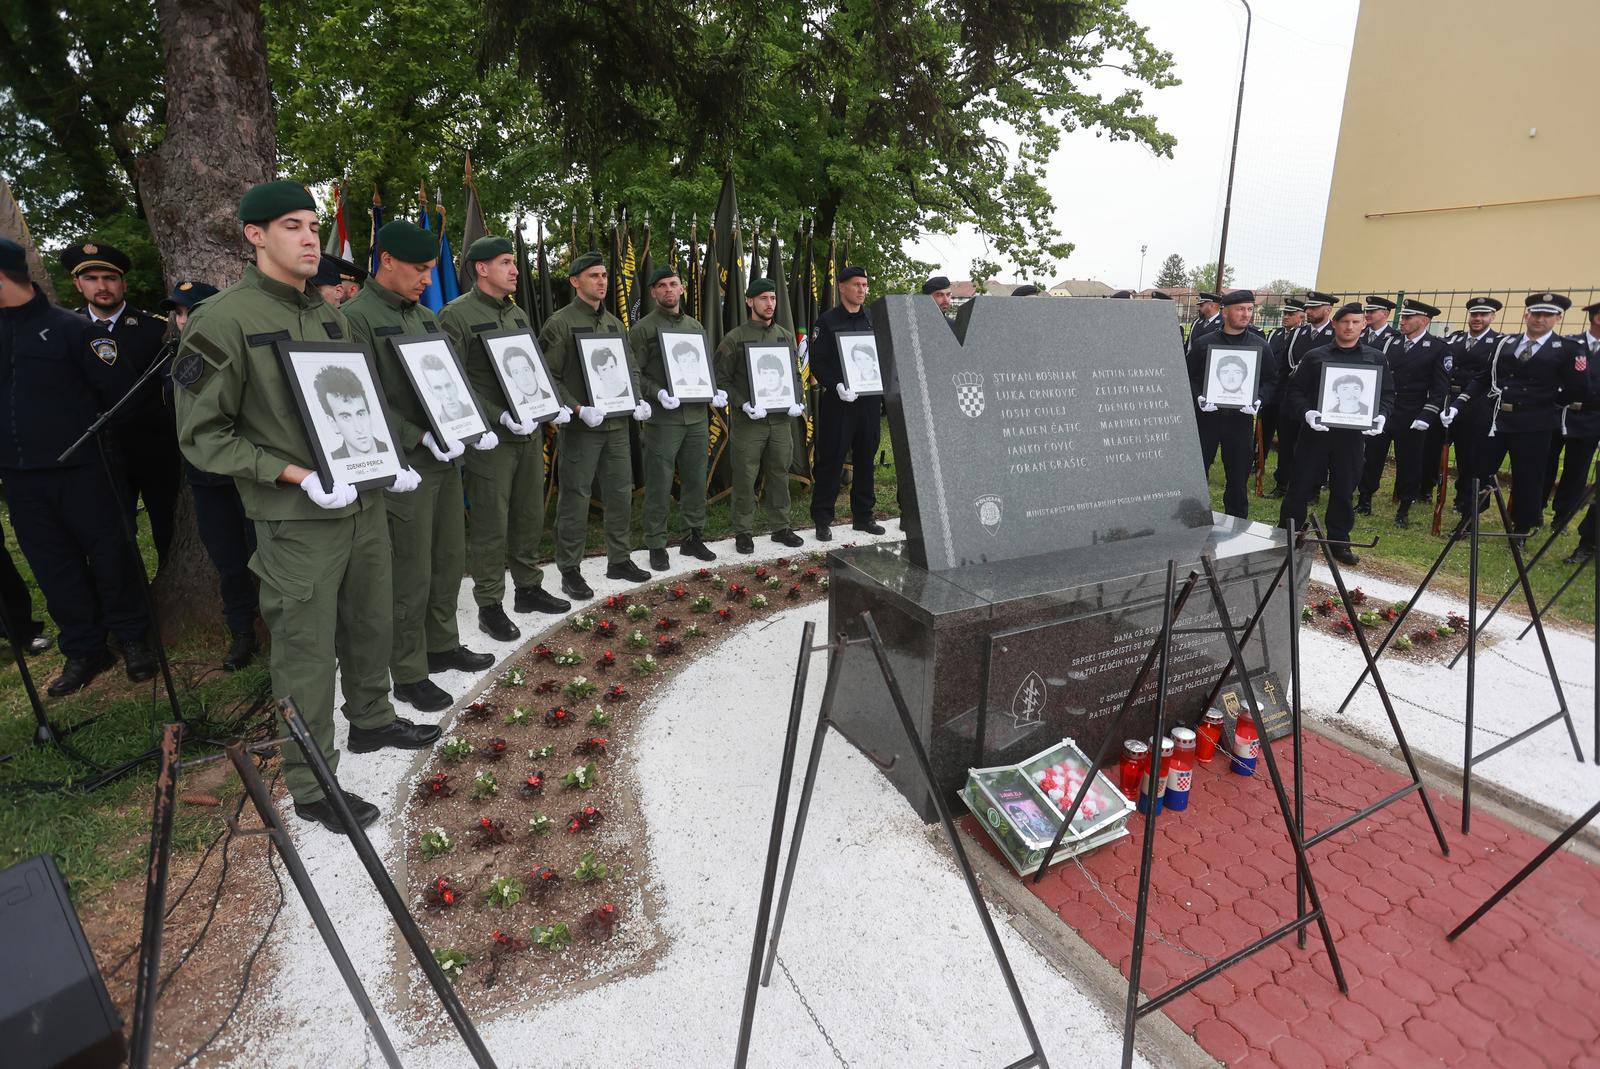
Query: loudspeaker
54, 1010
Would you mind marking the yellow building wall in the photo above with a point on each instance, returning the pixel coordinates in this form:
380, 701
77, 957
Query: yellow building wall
1469, 154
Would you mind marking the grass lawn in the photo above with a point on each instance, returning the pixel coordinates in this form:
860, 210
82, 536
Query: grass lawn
101, 838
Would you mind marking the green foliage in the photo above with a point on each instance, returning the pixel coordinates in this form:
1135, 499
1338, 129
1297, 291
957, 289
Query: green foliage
484, 785
434, 843
504, 891
551, 936
589, 869
1173, 273
1204, 277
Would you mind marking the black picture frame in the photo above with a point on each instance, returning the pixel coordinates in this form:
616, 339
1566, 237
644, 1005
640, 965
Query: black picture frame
303, 362
412, 350
1212, 387
671, 340
500, 347
600, 385
863, 385
754, 352
1370, 377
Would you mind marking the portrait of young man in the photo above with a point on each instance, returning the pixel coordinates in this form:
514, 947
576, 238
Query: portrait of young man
344, 399
525, 378
445, 388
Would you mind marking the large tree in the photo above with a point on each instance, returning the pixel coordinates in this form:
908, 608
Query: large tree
1204, 277
1173, 274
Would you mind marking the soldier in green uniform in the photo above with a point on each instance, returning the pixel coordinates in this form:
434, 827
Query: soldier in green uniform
763, 441
591, 443
322, 552
505, 485
678, 434
428, 528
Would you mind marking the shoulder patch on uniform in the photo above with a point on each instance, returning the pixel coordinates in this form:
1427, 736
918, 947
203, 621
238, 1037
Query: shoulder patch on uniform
431, 327
333, 328
105, 349
131, 320
521, 322
186, 370
479, 328
266, 339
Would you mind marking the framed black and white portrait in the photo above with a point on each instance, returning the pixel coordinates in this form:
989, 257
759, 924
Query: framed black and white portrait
858, 359
1348, 394
687, 366
1232, 376
441, 385
520, 369
774, 383
604, 357
346, 420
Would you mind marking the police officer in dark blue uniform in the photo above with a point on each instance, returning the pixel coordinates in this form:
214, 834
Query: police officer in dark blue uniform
1317, 330
51, 388
1420, 368
847, 425
1582, 428
1226, 423
1209, 307
225, 531
143, 439
1469, 352
1528, 378
1273, 376
1379, 333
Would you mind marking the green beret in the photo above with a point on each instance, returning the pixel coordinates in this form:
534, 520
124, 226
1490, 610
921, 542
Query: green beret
662, 272
488, 249
759, 286
408, 242
580, 264
265, 202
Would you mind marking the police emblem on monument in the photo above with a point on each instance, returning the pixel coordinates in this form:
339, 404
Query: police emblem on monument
1028, 702
969, 393
989, 512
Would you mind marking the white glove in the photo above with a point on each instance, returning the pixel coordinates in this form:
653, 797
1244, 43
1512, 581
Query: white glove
1419, 424
668, 401
592, 417
1448, 416
1252, 408
563, 415
846, 395
1314, 421
341, 495
450, 451
1205, 406
1376, 428
407, 481
486, 441
797, 410
754, 411
719, 399
510, 423
641, 411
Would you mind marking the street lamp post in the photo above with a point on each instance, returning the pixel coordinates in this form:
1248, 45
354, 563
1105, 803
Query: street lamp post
1233, 155
1142, 250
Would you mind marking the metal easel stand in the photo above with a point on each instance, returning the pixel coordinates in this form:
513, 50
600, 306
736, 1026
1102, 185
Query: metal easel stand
1533, 561
380, 879
761, 973
1527, 870
1173, 605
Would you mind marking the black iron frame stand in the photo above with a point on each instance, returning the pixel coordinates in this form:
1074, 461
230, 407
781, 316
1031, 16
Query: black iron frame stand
762, 975
1527, 870
403, 919
1595, 625
155, 900
1174, 602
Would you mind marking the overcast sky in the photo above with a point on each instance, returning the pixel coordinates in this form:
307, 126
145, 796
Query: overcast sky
1113, 197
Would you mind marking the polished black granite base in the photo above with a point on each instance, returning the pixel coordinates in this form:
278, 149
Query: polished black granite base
1000, 660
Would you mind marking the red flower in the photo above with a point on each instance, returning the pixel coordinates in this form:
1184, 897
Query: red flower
555, 717
617, 601
679, 592
543, 652
479, 710
703, 573
782, 562
496, 750
725, 613
761, 573
616, 693
533, 784
666, 623
794, 590
666, 645
605, 628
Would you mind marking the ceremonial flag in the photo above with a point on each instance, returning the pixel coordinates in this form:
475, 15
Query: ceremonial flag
755, 252
547, 305
696, 309
710, 300
784, 314
432, 297
642, 305
377, 224
338, 243
730, 256
475, 228
445, 270
525, 280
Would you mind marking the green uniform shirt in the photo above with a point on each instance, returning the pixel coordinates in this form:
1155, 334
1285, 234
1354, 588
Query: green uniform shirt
236, 412
645, 340
376, 315
464, 318
561, 351
733, 375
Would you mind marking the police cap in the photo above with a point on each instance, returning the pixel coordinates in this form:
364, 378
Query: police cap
1378, 304
187, 295
1207, 295
1483, 304
1318, 299
328, 273
268, 200
583, 262
1591, 309
1293, 304
1157, 295
1027, 289
1557, 303
1418, 308
935, 284
488, 249
759, 286
408, 242
89, 256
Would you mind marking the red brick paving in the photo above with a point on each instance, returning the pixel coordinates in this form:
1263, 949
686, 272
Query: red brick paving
1520, 989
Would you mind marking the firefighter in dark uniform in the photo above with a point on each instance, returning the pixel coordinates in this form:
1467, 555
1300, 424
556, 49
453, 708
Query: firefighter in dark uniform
225, 531
143, 439
1528, 378
1273, 375
847, 425
1379, 333
1582, 427
1334, 452
1578, 435
1469, 355
1419, 365
1224, 423
1317, 330
51, 387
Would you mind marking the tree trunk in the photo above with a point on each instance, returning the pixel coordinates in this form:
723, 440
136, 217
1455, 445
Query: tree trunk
15, 227
220, 140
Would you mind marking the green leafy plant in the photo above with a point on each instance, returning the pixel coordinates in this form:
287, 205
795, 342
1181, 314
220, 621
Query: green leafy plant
639, 612
701, 603
517, 715
758, 601
638, 639
1402, 642
539, 824
551, 936
455, 748
581, 622
539, 753
599, 718
452, 962
645, 665
579, 687
435, 843
568, 657
484, 785
504, 891
583, 777
589, 869
514, 677
822, 583
693, 631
